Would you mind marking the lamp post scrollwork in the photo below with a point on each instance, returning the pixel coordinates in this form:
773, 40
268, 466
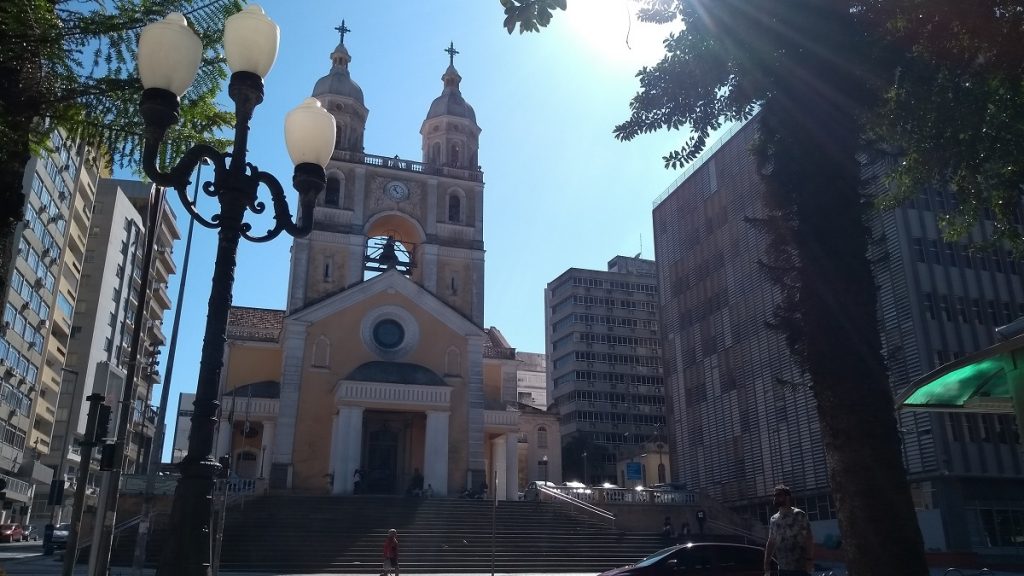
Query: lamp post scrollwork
168, 58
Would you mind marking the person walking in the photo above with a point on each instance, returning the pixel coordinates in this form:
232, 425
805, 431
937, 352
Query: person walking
391, 553
357, 481
790, 540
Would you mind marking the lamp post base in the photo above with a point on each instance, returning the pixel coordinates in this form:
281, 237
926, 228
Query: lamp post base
189, 552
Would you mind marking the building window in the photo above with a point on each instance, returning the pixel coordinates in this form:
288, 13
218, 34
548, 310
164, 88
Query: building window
542, 437
950, 253
333, 195
929, 305
454, 153
945, 307
961, 308
918, 250
322, 352
454, 209
933, 252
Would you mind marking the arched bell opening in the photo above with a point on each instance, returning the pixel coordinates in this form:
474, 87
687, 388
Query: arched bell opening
391, 241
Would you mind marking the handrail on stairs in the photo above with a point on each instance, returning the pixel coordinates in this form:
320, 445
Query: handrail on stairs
576, 502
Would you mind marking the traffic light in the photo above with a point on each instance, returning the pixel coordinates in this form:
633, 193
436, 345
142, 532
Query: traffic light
108, 453
102, 424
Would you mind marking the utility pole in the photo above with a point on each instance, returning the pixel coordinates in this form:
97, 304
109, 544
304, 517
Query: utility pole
56, 494
71, 550
105, 538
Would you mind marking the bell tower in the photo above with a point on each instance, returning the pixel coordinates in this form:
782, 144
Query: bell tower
382, 212
451, 137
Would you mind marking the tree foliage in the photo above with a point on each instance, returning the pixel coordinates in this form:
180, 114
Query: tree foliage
529, 15
71, 66
952, 112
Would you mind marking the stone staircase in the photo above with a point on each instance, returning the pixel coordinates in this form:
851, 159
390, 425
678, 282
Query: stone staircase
307, 534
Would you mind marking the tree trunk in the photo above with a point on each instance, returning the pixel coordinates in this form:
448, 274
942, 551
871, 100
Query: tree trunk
809, 153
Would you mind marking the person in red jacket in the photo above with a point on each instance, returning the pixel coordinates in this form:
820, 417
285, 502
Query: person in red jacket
391, 553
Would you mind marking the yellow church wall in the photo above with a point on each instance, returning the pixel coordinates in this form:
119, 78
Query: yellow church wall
251, 362
316, 406
492, 384
312, 449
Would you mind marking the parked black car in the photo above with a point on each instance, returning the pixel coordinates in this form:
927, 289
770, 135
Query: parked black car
705, 558
59, 541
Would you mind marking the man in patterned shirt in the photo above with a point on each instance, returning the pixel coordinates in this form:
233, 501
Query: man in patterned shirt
789, 538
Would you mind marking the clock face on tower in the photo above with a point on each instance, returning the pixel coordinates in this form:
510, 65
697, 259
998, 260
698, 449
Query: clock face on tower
396, 191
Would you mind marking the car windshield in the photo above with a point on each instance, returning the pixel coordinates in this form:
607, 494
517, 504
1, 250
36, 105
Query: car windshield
6, 526
657, 556
63, 527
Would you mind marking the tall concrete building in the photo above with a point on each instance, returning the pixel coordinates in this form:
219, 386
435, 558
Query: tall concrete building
604, 361
531, 379
743, 418
59, 188
108, 296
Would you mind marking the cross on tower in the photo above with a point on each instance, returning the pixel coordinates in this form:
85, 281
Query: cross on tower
342, 30
451, 53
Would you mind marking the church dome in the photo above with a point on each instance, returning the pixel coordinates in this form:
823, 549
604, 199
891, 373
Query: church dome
338, 82
451, 102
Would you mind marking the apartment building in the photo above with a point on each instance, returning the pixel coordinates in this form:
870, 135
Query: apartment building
531, 379
103, 323
603, 353
59, 187
742, 418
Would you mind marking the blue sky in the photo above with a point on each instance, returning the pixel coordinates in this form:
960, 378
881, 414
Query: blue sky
560, 191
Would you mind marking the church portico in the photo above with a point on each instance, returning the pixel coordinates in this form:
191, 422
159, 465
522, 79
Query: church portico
388, 431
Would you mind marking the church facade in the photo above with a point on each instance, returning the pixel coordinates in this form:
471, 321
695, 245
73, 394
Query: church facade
381, 361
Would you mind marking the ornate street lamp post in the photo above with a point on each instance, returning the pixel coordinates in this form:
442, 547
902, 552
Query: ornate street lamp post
168, 57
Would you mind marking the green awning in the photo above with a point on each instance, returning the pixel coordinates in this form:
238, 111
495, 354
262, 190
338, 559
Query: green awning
976, 383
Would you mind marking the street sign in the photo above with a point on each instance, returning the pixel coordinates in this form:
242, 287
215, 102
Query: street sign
634, 471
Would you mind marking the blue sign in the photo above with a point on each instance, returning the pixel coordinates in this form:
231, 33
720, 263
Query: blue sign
634, 471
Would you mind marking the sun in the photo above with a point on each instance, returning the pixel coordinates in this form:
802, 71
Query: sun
611, 31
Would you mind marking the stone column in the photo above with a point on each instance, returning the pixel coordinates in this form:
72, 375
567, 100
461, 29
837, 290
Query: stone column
224, 439
512, 465
347, 447
435, 452
497, 479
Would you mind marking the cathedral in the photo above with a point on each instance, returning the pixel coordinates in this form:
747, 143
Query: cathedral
381, 362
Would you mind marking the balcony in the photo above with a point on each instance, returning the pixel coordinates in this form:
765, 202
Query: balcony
19, 489
501, 419
160, 297
410, 166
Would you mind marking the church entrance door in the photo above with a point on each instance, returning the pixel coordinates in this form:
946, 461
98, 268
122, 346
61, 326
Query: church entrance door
381, 473
392, 451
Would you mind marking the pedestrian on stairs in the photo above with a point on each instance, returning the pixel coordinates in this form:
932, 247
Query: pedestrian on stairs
391, 553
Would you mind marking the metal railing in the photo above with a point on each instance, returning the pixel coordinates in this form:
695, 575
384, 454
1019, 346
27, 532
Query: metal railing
558, 496
627, 495
15, 485
411, 166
